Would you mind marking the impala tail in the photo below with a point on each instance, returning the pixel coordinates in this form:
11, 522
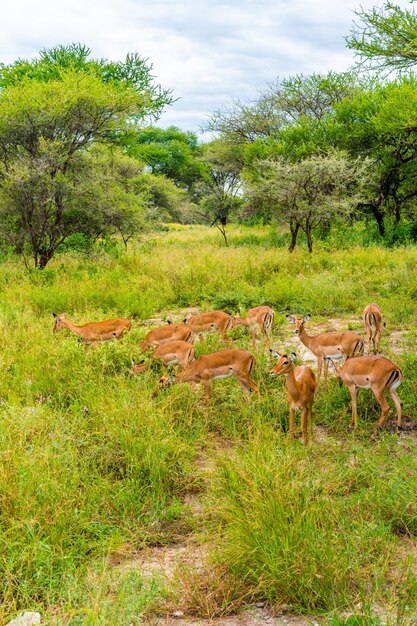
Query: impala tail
394, 380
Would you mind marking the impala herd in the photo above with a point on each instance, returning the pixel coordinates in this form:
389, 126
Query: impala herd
172, 344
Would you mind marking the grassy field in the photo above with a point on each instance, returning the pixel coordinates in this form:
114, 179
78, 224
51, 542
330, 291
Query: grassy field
93, 470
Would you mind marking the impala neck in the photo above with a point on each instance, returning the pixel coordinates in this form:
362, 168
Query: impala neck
304, 338
72, 327
292, 385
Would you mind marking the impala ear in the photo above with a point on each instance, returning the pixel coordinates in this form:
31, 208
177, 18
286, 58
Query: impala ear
132, 363
291, 319
293, 356
275, 353
54, 314
306, 317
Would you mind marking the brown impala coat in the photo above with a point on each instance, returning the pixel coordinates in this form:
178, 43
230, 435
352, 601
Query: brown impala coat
301, 385
373, 320
212, 320
95, 331
170, 353
376, 373
222, 364
163, 334
328, 345
261, 317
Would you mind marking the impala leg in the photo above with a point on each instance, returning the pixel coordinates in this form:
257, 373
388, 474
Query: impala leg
326, 370
379, 395
319, 366
292, 422
247, 384
310, 421
368, 336
304, 416
378, 340
207, 390
399, 408
353, 394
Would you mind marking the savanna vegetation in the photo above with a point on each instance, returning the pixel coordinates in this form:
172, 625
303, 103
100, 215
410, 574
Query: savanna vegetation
103, 214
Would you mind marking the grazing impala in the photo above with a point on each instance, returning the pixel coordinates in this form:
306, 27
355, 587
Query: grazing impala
301, 385
261, 317
372, 320
376, 373
222, 364
171, 353
327, 345
212, 320
95, 331
163, 334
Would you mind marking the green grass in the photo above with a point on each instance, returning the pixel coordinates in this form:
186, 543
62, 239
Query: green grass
92, 466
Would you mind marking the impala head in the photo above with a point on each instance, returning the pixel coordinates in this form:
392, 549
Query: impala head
299, 323
58, 322
137, 368
284, 364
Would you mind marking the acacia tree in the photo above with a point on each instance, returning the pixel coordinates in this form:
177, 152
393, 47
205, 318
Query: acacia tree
52, 184
218, 193
385, 37
307, 193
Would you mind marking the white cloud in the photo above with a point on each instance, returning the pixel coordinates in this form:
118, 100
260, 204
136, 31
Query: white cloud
208, 52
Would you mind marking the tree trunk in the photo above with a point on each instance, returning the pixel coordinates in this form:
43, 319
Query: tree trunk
309, 238
294, 228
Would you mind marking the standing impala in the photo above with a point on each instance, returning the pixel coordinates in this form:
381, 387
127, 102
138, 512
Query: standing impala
327, 345
372, 320
222, 364
376, 373
212, 320
301, 385
261, 317
171, 353
95, 331
163, 334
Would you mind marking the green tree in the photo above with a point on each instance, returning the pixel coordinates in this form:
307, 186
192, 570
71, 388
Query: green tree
51, 182
54, 63
379, 123
305, 194
385, 37
218, 193
169, 152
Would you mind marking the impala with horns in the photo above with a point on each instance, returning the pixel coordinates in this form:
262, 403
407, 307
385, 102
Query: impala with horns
222, 364
328, 345
261, 317
301, 384
212, 320
163, 334
95, 331
376, 373
373, 321
171, 353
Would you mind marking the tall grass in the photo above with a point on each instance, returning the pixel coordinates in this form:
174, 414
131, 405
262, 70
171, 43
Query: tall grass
91, 465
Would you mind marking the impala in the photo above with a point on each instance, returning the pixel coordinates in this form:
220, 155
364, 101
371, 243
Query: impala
171, 353
372, 320
222, 364
301, 385
212, 320
261, 317
95, 331
327, 345
376, 373
163, 334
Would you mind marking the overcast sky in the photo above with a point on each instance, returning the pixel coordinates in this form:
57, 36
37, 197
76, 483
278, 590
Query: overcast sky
208, 52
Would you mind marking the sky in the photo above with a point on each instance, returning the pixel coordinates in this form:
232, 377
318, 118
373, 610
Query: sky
209, 53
